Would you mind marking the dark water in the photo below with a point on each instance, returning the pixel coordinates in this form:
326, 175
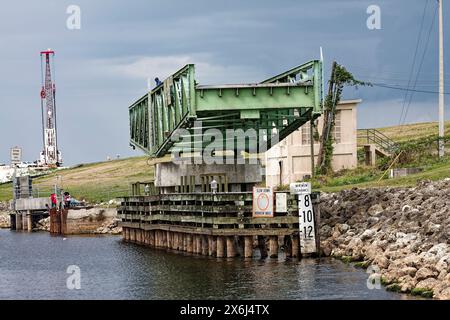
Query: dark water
34, 266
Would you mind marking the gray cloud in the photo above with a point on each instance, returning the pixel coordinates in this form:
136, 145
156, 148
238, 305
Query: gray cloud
103, 67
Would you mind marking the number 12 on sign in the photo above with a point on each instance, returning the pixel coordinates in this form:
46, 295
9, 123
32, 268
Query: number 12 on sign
306, 224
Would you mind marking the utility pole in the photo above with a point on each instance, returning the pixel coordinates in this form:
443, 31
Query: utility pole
441, 82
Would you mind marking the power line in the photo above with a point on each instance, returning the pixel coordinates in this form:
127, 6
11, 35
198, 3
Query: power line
414, 59
387, 86
421, 63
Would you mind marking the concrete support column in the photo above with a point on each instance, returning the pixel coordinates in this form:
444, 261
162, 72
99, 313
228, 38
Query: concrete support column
273, 246
190, 243
248, 246
295, 246
132, 235
204, 245
231, 250
152, 238
212, 246
220, 247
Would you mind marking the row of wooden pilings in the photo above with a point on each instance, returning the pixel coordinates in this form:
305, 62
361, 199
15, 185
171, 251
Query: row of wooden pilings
209, 245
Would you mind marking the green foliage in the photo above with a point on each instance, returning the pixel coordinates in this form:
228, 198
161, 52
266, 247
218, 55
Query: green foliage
282, 187
394, 287
423, 292
339, 79
362, 264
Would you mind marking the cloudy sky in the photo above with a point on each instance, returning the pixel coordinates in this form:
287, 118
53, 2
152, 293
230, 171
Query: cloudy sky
104, 66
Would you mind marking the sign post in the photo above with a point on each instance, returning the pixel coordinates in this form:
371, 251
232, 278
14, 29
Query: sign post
306, 217
262, 202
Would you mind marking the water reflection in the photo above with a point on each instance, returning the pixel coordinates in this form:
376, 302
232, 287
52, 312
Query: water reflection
34, 266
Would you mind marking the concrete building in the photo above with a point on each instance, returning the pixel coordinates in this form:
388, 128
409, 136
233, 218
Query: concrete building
290, 160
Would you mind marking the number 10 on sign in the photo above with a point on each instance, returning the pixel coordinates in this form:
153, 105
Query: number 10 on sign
306, 224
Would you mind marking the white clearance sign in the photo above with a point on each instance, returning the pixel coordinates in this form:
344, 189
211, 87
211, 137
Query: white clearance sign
306, 224
262, 202
300, 188
305, 216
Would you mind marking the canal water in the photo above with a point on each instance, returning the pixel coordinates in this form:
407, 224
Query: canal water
34, 266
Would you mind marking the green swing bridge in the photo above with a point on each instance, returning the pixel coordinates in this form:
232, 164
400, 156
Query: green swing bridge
209, 209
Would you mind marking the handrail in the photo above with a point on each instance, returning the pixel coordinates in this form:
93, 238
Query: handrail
380, 139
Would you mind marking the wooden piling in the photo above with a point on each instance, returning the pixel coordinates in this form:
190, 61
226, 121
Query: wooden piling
287, 246
138, 235
231, 250
29, 222
198, 244
212, 246
273, 247
295, 246
248, 246
184, 236
204, 245
220, 247
262, 247
189, 243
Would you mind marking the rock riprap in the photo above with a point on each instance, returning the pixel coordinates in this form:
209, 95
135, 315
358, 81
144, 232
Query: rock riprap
403, 232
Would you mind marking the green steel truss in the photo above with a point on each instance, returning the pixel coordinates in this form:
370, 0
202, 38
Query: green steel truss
274, 108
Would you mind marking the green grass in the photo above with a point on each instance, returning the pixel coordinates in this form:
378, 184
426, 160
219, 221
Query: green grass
364, 177
94, 182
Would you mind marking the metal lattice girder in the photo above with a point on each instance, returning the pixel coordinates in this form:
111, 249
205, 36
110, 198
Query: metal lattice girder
274, 108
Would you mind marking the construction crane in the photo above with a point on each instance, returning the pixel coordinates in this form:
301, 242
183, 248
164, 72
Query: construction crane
50, 155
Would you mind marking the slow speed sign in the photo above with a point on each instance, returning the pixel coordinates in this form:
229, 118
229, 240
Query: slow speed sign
262, 202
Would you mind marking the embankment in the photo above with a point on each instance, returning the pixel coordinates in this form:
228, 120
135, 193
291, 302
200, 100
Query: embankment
403, 233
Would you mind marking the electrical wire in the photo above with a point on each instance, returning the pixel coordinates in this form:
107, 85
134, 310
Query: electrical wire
420, 65
414, 60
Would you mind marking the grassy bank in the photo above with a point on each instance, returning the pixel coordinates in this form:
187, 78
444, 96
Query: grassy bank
95, 182
364, 177
99, 182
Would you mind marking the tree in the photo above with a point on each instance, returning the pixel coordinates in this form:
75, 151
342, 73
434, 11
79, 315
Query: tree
340, 77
